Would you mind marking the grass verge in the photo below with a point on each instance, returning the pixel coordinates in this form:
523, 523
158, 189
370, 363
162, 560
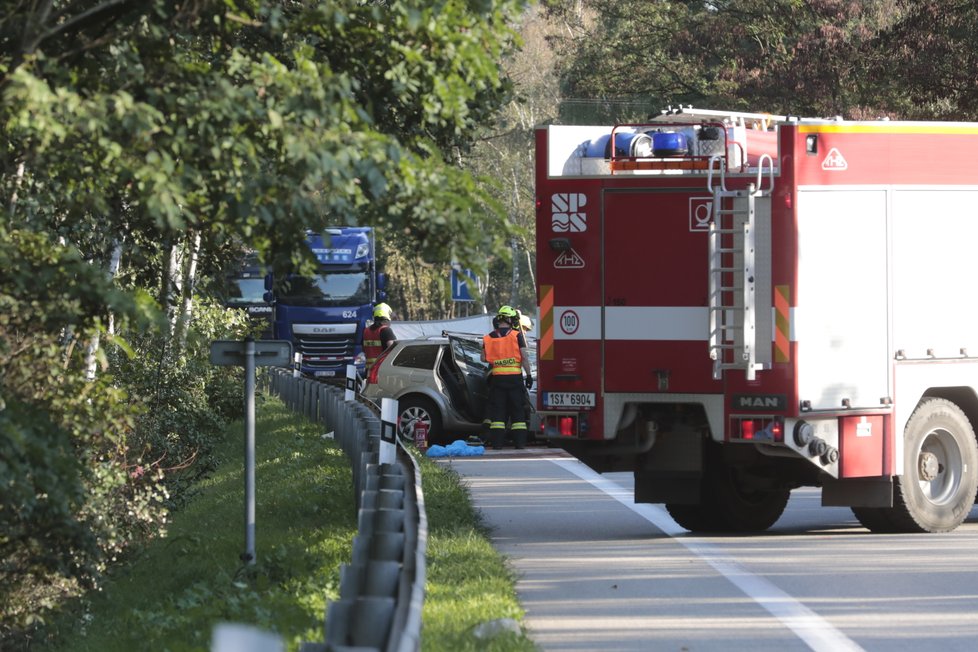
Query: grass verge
468, 582
170, 595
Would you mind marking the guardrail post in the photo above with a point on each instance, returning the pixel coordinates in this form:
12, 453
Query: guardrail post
351, 382
388, 430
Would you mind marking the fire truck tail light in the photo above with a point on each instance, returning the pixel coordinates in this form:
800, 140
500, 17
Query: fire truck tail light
747, 429
565, 426
770, 429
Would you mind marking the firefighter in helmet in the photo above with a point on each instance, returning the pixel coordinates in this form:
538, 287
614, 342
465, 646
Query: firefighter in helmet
505, 351
378, 336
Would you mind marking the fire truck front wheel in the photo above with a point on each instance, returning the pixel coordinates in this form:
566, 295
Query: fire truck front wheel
876, 519
940, 471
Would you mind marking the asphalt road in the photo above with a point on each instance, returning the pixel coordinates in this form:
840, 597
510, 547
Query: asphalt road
597, 572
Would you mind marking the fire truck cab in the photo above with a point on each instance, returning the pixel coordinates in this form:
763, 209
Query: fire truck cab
733, 305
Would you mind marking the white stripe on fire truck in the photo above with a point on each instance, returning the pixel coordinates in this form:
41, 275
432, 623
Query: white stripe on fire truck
815, 631
670, 323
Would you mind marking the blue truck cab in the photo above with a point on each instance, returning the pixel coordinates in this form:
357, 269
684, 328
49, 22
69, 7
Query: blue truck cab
324, 315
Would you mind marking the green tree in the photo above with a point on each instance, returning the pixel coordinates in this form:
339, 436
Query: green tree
140, 136
928, 55
801, 57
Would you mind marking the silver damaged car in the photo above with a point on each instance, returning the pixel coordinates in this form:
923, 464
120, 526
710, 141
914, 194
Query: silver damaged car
440, 382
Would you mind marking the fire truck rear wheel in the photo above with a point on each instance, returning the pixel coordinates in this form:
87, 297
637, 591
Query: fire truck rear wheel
696, 518
746, 509
940, 471
729, 506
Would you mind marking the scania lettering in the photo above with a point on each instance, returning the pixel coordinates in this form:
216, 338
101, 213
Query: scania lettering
246, 290
324, 315
758, 303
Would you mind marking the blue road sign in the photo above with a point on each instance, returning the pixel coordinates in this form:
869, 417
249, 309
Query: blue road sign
460, 284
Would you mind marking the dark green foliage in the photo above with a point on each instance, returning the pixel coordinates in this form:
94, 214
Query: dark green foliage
929, 58
43, 489
255, 121
858, 59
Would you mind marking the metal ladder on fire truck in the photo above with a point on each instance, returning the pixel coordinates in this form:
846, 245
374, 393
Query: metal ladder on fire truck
733, 316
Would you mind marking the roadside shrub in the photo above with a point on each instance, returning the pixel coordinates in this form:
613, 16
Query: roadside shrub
186, 401
62, 438
89, 467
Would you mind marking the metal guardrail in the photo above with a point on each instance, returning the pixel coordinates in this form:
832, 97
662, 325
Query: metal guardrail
382, 588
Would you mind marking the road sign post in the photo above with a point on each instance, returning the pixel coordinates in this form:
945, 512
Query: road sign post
249, 354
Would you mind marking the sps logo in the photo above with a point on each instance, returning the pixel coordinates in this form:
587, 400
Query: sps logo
567, 212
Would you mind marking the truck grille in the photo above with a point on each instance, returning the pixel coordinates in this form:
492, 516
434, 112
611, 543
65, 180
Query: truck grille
334, 349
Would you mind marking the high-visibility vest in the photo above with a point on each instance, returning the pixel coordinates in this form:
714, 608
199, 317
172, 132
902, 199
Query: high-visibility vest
372, 345
503, 353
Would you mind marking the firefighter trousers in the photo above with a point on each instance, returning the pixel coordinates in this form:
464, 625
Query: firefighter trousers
506, 397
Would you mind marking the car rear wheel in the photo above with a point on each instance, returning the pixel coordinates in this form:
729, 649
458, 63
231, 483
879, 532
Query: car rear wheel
416, 409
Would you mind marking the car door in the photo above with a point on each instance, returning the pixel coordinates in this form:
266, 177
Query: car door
467, 357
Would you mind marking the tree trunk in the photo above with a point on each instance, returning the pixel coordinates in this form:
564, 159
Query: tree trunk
514, 285
173, 286
93, 344
17, 185
514, 218
188, 285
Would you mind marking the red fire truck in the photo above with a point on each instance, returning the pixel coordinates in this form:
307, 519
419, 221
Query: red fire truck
733, 305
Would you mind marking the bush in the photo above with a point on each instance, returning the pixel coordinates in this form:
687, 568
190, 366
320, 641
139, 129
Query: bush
90, 467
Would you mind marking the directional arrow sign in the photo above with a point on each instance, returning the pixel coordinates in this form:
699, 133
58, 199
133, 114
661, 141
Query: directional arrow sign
460, 284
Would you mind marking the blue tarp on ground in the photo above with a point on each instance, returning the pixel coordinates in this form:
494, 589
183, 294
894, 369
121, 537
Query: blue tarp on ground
457, 448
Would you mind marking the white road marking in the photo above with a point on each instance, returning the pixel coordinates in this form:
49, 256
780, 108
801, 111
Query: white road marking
811, 628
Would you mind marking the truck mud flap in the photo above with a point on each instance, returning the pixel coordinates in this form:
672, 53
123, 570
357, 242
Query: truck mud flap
858, 492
